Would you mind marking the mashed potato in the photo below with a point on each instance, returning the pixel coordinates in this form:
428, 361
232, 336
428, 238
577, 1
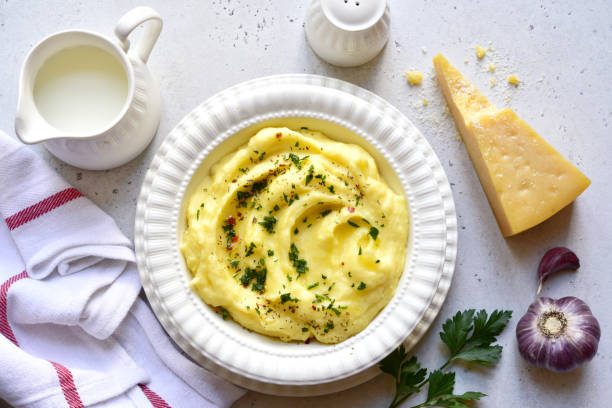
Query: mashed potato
296, 236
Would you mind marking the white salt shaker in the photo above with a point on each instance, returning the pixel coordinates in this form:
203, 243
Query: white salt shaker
347, 33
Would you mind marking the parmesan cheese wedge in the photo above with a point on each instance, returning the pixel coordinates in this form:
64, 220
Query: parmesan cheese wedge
525, 179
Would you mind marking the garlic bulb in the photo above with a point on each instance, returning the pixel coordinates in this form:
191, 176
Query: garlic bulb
558, 334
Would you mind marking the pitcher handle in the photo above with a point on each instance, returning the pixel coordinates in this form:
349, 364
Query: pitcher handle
133, 19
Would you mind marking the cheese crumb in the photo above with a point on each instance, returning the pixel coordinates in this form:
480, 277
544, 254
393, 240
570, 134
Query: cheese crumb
480, 52
425, 102
492, 82
414, 77
513, 79
491, 68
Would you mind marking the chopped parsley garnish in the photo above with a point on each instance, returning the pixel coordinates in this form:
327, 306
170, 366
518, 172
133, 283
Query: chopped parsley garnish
359, 253
258, 274
289, 278
357, 199
324, 276
198, 214
256, 187
373, 233
366, 221
350, 275
309, 176
314, 285
324, 213
270, 252
304, 329
286, 297
224, 313
336, 311
276, 207
304, 128
234, 264
296, 160
242, 195
249, 250
259, 185
268, 223
296, 231
202, 205
242, 170
331, 287
378, 261
261, 156
230, 233
331, 189
352, 224
361, 286
321, 178
328, 326
300, 265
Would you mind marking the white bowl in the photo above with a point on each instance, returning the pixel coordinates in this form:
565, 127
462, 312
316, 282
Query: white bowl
347, 113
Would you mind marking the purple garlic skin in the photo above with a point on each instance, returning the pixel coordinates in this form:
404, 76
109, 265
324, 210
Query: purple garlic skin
556, 260
558, 335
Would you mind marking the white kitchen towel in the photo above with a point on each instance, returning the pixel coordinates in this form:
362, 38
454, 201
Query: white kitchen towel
73, 332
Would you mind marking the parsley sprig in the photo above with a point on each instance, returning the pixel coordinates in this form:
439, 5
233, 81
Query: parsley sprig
469, 336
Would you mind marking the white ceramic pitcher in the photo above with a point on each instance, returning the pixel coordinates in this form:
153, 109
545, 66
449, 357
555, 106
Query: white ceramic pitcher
126, 133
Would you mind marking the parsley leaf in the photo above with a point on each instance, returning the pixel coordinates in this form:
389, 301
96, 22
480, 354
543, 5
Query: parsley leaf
440, 384
486, 330
485, 355
469, 337
455, 330
391, 364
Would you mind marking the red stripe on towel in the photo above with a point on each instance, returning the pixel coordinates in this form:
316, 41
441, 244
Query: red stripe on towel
68, 388
42, 207
5, 327
63, 374
154, 399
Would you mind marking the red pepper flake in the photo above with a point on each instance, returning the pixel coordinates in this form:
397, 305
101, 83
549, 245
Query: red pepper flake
307, 341
314, 308
235, 239
342, 263
239, 214
282, 165
279, 135
231, 220
234, 180
351, 209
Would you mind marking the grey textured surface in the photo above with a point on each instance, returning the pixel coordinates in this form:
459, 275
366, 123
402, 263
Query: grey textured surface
559, 49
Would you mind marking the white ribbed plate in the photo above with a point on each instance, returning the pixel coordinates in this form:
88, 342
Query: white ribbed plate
253, 360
